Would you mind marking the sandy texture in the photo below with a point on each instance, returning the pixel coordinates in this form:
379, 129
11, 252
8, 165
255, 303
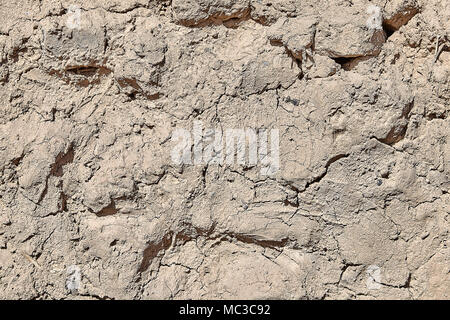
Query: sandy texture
93, 206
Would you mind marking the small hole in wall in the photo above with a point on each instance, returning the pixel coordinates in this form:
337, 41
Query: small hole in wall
388, 30
346, 63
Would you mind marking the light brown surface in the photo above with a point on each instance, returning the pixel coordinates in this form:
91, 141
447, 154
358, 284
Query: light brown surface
87, 180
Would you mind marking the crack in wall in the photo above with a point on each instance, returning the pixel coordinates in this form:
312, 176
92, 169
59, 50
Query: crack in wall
173, 239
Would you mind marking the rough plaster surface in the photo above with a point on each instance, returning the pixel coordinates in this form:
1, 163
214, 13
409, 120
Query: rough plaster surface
93, 207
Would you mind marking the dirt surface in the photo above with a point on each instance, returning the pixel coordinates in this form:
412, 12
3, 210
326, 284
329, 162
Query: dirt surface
352, 202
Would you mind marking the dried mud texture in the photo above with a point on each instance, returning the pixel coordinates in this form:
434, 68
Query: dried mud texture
89, 192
